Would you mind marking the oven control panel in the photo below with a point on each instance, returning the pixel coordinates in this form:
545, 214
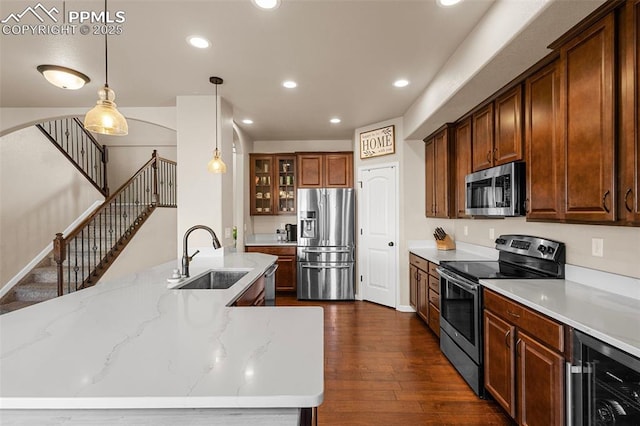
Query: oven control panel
531, 246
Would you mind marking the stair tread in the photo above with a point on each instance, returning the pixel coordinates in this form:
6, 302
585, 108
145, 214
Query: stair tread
15, 305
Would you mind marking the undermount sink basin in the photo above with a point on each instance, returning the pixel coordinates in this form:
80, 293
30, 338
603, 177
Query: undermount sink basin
213, 280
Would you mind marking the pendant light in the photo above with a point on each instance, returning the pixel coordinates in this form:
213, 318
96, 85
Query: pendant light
216, 165
105, 118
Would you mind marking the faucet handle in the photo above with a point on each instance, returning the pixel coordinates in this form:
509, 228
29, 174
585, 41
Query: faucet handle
193, 255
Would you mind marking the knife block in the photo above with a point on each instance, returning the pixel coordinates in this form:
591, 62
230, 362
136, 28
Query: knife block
446, 244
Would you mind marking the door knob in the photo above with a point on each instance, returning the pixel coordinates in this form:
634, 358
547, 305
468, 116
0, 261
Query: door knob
390, 243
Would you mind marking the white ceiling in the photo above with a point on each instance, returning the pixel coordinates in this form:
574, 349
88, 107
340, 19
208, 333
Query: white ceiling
344, 54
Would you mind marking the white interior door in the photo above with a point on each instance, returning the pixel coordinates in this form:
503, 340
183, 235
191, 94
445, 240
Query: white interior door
377, 234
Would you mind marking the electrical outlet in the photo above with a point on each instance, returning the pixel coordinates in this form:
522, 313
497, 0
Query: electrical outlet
492, 234
282, 226
466, 230
597, 247
227, 232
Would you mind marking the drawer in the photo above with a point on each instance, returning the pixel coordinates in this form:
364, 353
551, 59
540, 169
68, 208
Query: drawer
434, 298
434, 319
541, 327
274, 250
418, 262
432, 270
434, 284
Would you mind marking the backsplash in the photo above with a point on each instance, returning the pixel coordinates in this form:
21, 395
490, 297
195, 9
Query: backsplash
269, 224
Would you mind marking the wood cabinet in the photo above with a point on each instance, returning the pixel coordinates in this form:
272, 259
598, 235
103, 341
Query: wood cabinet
438, 172
523, 361
544, 144
254, 295
424, 291
286, 274
629, 156
325, 170
587, 100
463, 164
497, 131
272, 184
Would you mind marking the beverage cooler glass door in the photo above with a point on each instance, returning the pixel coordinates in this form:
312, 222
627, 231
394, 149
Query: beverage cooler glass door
603, 384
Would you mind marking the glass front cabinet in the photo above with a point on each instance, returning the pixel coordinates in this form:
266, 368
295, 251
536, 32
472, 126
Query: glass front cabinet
273, 184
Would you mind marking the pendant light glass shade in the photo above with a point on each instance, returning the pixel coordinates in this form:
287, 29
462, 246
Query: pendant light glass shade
105, 118
216, 165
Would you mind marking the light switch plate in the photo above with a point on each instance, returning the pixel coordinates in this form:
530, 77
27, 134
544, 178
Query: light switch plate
597, 247
492, 234
466, 230
227, 232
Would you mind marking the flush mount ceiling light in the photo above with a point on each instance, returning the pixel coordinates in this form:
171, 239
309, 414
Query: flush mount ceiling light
104, 118
335, 120
63, 77
266, 4
401, 83
447, 3
216, 165
290, 84
247, 121
199, 42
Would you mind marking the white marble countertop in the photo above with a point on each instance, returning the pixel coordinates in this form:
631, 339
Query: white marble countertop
608, 316
135, 343
268, 240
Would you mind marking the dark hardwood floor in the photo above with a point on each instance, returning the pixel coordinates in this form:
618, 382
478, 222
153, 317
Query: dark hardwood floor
384, 367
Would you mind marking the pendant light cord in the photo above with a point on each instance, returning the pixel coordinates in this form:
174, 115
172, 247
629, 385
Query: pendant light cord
106, 56
216, 100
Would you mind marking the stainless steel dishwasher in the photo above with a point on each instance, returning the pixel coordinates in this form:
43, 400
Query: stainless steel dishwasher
270, 285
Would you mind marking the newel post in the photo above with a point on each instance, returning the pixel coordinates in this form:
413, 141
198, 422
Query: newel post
59, 256
156, 196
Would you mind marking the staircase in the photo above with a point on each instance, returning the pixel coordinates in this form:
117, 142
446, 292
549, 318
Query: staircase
81, 257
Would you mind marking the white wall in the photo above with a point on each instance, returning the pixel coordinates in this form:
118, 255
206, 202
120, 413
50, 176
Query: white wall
41, 193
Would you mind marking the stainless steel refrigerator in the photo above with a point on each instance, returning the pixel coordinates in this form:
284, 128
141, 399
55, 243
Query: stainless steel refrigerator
326, 244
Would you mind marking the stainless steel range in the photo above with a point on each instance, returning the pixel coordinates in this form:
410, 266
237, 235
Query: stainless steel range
461, 331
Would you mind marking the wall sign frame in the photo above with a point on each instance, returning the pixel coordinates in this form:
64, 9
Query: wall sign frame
378, 142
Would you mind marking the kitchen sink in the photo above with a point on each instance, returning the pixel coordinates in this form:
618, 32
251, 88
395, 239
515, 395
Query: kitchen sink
213, 280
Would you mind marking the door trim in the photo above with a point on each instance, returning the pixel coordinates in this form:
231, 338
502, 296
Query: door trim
395, 166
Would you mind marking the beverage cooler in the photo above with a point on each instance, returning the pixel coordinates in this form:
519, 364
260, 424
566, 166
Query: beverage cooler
603, 384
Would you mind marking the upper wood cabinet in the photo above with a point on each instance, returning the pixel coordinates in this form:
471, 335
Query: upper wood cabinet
629, 156
482, 153
325, 170
497, 131
587, 100
438, 186
272, 184
463, 164
544, 144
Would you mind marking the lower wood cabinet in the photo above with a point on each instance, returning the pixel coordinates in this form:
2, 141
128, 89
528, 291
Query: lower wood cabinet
424, 291
286, 274
523, 361
254, 295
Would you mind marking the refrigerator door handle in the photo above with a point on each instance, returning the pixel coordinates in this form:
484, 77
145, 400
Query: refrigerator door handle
325, 251
325, 266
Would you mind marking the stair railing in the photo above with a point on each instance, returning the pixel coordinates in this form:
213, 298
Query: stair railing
84, 255
81, 148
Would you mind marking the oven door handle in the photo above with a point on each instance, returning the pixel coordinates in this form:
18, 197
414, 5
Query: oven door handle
458, 280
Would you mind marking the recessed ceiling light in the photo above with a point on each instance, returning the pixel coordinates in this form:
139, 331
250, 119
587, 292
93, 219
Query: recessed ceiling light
401, 83
247, 121
447, 3
335, 120
289, 84
267, 4
199, 42
63, 77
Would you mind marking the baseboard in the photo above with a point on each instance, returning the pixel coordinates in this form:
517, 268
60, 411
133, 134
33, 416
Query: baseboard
45, 252
405, 308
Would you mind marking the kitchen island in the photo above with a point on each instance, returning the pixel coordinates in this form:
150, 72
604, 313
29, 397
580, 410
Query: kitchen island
137, 351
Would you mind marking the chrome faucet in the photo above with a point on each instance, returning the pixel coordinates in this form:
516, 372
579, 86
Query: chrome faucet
185, 251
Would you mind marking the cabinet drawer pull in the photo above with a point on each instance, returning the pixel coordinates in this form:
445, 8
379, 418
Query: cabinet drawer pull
604, 201
626, 196
513, 314
506, 338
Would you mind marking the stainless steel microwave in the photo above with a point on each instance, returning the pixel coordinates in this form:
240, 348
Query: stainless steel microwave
498, 191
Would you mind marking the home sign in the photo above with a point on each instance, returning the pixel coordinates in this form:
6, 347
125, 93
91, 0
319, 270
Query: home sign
378, 142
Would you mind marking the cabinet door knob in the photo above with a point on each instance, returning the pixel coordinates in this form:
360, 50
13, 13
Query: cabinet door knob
604, 201
626, 196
